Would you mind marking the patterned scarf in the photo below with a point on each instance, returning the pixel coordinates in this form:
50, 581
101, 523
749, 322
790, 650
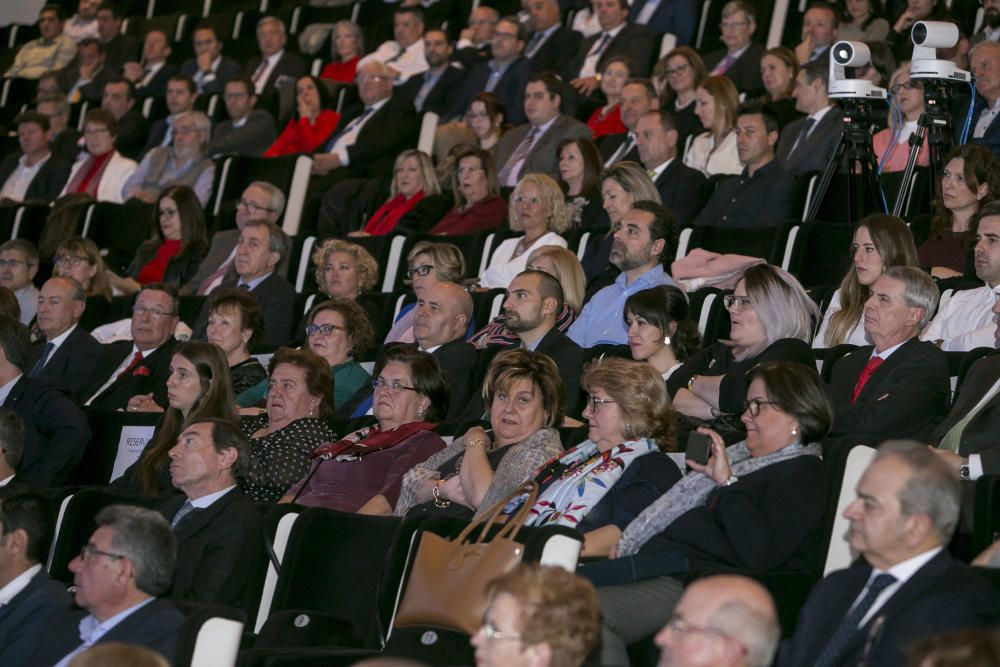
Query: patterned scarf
368, 440
579, 479
693, 490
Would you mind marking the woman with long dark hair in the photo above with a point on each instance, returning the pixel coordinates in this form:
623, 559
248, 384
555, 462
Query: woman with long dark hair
313, 122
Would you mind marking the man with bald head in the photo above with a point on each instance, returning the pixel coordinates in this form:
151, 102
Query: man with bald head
984, 60
441, 322
721, 621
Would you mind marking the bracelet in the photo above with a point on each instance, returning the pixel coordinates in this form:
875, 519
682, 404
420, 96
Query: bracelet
474, 443
439, 502
691, 382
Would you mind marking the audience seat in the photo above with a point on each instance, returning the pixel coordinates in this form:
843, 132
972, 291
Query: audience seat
708, 311
173, 25
768, 243
25, 221
210, 636
113, 435
820, 252
118, 242
289, 173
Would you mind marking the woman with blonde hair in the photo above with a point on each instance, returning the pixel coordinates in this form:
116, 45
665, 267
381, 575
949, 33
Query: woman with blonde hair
347, 43
79, 258
537, 209
344, 270
892, 144
407, 210
427, 265
714, 151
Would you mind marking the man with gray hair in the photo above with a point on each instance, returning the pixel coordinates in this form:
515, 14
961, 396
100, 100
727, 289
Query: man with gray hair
184, 162
904, 583
119, 575
721, 621
274, 63
899, 386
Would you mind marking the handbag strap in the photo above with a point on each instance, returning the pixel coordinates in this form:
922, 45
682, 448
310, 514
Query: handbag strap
490, 516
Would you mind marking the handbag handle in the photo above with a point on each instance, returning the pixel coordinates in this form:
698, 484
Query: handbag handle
491, 515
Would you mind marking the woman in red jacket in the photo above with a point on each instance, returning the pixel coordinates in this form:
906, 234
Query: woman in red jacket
312, 123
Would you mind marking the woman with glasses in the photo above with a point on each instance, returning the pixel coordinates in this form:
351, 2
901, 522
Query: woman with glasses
415, 202
487, 118
299, 396
427, 265
312, 123
363, 472
772, 319
478, 205
537, 209
892, 144
198, 388
778, 69
602, 484
752, 506
473, 473
178, 245
607, 119
659, 329
234, 326
100, 171
78, 258
714, 150
677, 76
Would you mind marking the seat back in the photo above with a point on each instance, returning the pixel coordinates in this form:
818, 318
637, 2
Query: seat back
820, 254
278, 528
210, 636
290, 173
116, 442
767, 243
838, 554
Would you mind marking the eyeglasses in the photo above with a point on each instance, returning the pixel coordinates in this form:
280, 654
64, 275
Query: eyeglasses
154, 313
595, 402
11, 263
423, 271
908, 85
87, 552
325, 329
72, 260
678, 70
168, 212
492, 633
680, 626
462, 171
521, 199
395, 386
753, 406
737, 303
733, 25
251, 207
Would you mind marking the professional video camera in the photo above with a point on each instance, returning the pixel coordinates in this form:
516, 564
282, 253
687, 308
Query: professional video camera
846, 54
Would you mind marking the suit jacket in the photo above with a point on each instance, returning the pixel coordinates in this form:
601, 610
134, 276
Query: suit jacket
745, 72
815, 151
92, 91
470, 56
67, 144
157, 133
134, 131
942, 595
510, 89
675, 16
228, 69
979, 435
387, 132
440, 96
119, 50
48, 181
157, 86
253, 138
991, 139
634, 41
458, 361
542, 158
904, 398
73, 364
276, 299
222, 245
24, 621
290, 65
681, 188
609, 144
568, 357
55, 430
215, 551
150, 376
155, 626
561, 47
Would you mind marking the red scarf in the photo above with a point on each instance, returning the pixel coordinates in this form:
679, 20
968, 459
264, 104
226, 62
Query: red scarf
385, 219
369, 440
88, 177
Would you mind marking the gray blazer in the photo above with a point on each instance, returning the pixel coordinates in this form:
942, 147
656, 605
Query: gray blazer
253, 138
542, 158
816, 151
222, 244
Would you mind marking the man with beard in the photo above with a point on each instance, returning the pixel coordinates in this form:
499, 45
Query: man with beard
991, 23
642, 239
186, 162
434, 89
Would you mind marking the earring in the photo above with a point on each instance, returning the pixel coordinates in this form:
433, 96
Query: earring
629, 431
794, 432
666, 340
420, 413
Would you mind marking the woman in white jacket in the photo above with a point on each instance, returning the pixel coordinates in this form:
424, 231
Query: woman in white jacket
100, 171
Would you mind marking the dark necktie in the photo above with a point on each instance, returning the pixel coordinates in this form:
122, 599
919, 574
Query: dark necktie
803, 135
536, 39
40, 364
600, 44
866, 373
350, 126
185, 509
848, 628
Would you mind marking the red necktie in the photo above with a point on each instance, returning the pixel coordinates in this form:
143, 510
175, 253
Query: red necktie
132, 364
866, 373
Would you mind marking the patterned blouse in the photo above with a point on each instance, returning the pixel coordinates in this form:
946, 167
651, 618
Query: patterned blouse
279, 460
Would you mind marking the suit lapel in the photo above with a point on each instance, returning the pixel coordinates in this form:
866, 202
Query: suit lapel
882, 373
200, 519
836, 608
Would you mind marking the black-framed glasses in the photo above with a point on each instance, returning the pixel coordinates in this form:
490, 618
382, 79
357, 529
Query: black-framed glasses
252, 207
395, 386
72, 260
737, 303
423, 271
491, 633
87, 552
682, 627
908, 85
595, 402
753, 406
325, 329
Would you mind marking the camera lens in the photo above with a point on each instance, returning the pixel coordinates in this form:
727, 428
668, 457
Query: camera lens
919, 33
843, 54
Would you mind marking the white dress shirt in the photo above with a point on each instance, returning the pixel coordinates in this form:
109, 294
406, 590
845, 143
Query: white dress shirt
589, 67
17, 183
966, 321
350, 136
902, 572
18, 584
410, 62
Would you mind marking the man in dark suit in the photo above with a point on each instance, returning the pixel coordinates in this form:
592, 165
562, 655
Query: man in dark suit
127, 563
35, 175
819, 32
118, 47
181, 94
11, 452
807, 144
259, 251
898, 387
216, 525
274, 62
150, 76
678, 17
65, 140
552, 44
29, 600
67, 353
260, 201
904, 585
439, 326
618, 37
966, 439
84, 78
531, 148
56, 431
984, 60
434, 88
142, 366
133, 128
247, 131
475, 43
638, 97
739, 61
209, 69
680, 186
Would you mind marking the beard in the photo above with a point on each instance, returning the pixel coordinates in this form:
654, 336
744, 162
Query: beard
626, 261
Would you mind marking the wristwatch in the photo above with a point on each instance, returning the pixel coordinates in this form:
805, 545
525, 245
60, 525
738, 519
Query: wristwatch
963, 470
732, 480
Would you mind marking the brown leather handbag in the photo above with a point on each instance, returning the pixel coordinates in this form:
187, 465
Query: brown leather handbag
447, 584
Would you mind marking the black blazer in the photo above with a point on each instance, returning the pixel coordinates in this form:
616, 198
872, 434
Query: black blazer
510, 90
276, 299
150, 376
634, 41
610, 143
157, 86
47, 183
91, 92
55, 430
745, 72
469, 56
675, 16
134, 131
904, 398
157, 133
73, 364
568, 357
119, 50
561, 47
216, 551
440, 96
816, 151
253, 138
941, 596
980, 435
25, 620
681, 189
387, 132
67, 145
228, 69
990, 140
156, 626
458, 361
290, 65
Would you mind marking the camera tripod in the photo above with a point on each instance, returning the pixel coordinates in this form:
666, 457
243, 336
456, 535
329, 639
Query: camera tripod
934, 124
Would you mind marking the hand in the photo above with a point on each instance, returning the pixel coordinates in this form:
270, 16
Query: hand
478, 433
465, 34
133, 72
585, 86
904, 22
143, 403
984, 559
614, 552
304, 111
452, 490
359, 232
953, 460
249, 412
804, 50
324, 163
717, 468
942, 272
205, 62
144, 195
